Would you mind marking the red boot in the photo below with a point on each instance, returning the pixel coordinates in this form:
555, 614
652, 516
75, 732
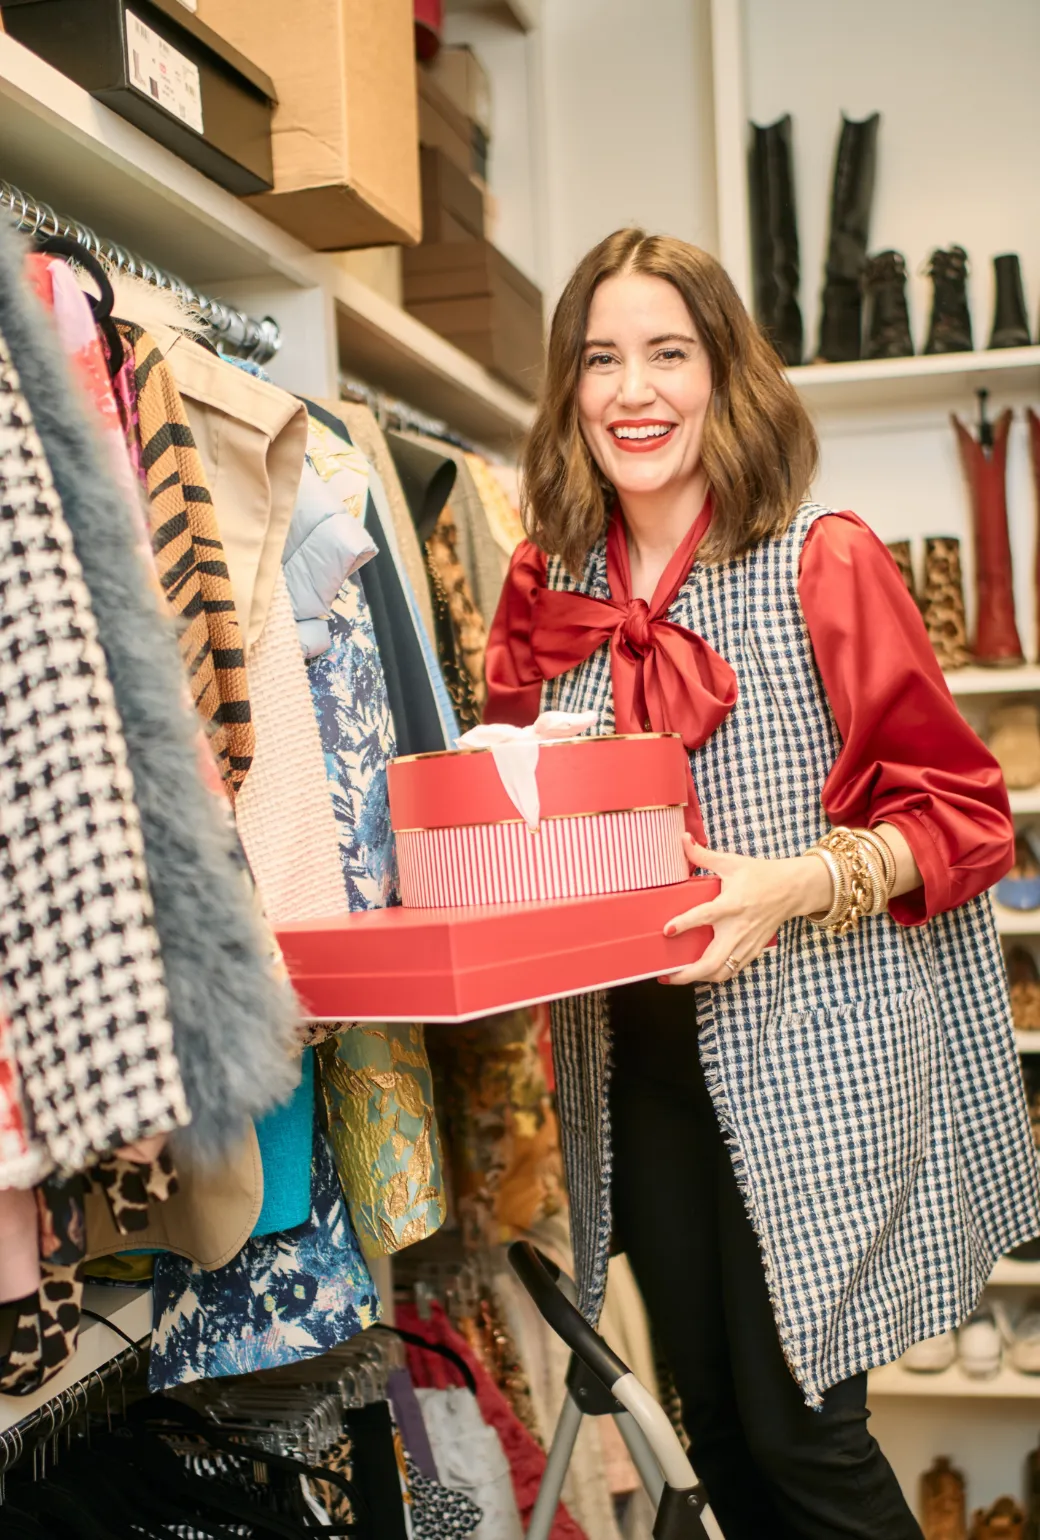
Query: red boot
996, 634
1034, 445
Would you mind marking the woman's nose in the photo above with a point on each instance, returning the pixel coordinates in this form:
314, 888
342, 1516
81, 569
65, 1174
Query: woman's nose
635, 388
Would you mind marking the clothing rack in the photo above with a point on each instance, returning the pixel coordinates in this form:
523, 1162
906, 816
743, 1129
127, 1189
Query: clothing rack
233, 330
44, 1424
391, 412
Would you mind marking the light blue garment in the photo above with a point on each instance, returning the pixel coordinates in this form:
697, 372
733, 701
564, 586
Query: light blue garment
286, 1140
325, 544
445, 710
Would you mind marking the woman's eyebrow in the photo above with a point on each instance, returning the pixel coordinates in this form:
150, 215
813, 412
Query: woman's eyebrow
596, 342
670, 337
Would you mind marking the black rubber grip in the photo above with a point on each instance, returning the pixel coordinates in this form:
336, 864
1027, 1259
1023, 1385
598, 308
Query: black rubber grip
538, 1276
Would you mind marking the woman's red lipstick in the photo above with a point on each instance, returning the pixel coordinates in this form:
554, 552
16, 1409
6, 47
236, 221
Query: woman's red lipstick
641, 446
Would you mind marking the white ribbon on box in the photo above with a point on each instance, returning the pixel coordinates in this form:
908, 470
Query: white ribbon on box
515, 751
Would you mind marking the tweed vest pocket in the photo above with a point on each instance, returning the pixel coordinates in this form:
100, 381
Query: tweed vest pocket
848, 1091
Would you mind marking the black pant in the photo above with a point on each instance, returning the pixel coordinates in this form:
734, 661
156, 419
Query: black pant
773, 1468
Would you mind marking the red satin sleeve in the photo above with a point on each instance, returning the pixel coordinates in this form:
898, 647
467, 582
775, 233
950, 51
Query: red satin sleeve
514, 683
908, 756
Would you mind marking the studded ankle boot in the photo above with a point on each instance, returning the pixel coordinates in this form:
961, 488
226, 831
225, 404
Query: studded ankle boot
942, 604
774, 238
943, 1512
1004, 1521
950, 328
1010, 321
887, 320
985, 467
852, 194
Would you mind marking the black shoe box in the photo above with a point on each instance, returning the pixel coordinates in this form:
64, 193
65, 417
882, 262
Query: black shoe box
157, 65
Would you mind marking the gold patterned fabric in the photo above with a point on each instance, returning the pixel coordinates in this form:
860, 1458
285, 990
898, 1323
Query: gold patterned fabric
461, 652
378, 1093
190, 559
502, 1132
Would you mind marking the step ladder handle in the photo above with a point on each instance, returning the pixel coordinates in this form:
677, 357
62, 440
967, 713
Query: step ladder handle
538, 1276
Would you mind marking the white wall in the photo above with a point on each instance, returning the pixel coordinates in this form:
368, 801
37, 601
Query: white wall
956, 83
628, 106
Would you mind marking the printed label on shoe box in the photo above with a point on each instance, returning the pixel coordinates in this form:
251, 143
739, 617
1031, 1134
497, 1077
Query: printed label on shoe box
161, 72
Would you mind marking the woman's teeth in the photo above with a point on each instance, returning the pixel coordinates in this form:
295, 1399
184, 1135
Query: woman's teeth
657, 431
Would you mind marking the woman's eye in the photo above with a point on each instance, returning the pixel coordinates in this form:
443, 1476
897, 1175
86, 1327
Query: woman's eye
672, 355
598, 360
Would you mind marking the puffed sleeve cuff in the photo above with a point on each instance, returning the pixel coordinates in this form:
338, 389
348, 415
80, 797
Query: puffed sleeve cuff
936, 891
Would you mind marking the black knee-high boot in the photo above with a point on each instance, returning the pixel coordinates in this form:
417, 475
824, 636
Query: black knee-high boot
851, 198
774, 238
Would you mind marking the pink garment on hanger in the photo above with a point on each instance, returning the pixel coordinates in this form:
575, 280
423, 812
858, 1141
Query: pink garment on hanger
526, 1458
21, 1162
19, 1244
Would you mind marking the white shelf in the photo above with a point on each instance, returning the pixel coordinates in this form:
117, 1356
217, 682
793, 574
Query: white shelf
1025, 802
886, 382
994, 681
1008, 1271
57, 143
1028, 1042
130, 1309
385, 345
1017, 922
1007, 1385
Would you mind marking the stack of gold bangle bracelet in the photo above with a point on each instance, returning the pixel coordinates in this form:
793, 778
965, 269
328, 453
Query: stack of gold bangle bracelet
863, 871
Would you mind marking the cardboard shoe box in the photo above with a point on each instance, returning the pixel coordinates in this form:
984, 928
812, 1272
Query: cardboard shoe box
442, 125
471, 294
167, 72
452, 202
345, 131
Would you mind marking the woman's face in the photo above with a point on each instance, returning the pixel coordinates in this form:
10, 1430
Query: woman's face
644, 387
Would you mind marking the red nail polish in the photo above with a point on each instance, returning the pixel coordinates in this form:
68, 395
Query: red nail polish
669, 930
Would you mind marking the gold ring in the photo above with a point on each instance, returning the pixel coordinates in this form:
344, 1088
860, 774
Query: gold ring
732, 964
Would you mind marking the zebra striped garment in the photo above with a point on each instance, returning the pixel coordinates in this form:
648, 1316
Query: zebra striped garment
190, 560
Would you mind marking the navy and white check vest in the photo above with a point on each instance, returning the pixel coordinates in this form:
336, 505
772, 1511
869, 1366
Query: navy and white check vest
868, 1088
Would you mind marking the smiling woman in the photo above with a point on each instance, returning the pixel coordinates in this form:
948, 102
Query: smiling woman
650, 322
814, 1156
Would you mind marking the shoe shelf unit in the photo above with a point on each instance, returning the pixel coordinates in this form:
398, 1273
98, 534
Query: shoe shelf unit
129, 1309
1023, 680
888, 451
60, 145
939, 380
1006, 1384
1017, 922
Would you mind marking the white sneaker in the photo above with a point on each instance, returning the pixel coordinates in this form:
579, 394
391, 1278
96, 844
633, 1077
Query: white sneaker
931, 1356
1025, 1347
980, 1345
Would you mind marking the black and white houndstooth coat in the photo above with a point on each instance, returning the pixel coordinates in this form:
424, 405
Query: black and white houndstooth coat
868, 1088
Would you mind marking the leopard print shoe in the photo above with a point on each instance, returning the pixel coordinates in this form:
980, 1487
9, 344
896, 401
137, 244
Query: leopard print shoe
943, 602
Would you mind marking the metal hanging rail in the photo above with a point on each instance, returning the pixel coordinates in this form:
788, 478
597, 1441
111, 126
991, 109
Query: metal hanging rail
43, 1424
233, 330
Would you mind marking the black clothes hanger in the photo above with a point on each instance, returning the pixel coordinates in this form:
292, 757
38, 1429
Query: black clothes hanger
101, 306
427, 481
162, 1409
414, 1340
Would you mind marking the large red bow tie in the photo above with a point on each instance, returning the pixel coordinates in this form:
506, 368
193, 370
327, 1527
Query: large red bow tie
666, 679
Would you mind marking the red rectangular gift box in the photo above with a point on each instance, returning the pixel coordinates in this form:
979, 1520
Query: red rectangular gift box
458, 964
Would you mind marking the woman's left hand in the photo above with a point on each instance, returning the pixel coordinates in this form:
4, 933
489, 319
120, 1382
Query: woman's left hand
757, 897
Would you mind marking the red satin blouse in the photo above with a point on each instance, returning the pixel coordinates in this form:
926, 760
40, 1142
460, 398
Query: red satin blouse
908, 757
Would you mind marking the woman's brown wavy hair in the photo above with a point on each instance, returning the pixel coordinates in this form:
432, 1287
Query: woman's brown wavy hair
759, 448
